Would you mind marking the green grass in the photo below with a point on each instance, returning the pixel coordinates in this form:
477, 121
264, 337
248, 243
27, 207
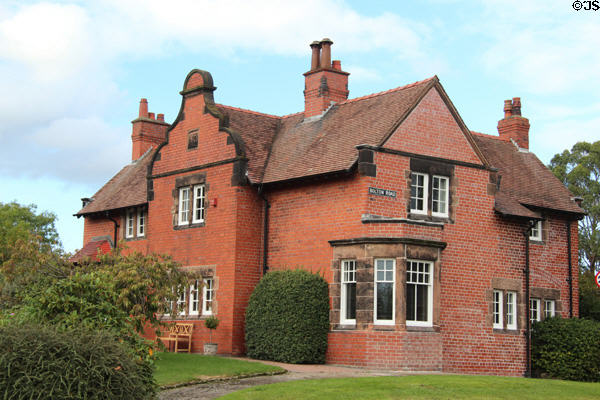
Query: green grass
174, 368
423, 387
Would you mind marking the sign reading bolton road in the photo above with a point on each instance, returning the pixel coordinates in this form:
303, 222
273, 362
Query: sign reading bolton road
382, 192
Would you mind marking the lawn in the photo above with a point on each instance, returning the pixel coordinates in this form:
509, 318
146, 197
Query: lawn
423, 387
176, 368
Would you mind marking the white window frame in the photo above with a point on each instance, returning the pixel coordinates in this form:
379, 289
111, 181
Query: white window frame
199, 197
446, 196
194, 302
184, 206
141, 223
425, 192
393, 282
497, 309
535, 309
347, 276
536, 232
129, 221
549, 311
208, 296
511, 310
429, 285
182, 302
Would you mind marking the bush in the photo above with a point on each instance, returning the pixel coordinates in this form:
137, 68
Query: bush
566, 349
39, 362
288, 318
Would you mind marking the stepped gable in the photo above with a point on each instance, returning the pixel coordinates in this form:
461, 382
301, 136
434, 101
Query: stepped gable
327, 143
525, 179
127, 188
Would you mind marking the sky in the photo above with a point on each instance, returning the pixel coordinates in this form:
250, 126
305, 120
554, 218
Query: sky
72, 73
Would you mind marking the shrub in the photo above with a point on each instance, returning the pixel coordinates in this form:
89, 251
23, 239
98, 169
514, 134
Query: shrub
288, 318
211, 323
40, 362
566, 349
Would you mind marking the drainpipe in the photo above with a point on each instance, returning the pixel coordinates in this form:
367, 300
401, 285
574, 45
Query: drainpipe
526, 233
570, 279
265, 230
114, 221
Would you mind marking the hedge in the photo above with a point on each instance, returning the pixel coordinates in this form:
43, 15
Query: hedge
566, 349
287, 318
40, 362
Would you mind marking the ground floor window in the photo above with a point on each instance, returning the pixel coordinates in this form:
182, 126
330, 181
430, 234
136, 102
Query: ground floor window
419, 293
385, 293
348, 292
208, 296
534, 310
549, 308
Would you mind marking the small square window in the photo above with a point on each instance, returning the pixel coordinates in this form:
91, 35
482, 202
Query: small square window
192, 140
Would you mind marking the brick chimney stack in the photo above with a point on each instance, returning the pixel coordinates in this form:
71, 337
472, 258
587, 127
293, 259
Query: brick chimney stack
513, 125
325, 83
147, 131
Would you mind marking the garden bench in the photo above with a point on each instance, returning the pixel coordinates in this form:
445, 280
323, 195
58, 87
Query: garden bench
179, 332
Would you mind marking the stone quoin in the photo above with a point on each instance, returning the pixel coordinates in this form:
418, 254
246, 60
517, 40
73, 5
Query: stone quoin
439, 244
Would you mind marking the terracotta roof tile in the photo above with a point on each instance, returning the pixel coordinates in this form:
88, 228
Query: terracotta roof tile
525, 178
126, 189
91, 250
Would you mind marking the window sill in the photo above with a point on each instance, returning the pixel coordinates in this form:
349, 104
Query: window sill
414, 328
189, 226
134, 238
506, 331
379, 327
167, 317
345, 327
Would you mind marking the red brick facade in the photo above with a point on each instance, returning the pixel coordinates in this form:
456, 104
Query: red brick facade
318, 222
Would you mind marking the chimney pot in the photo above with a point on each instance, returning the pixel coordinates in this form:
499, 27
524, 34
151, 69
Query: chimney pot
316, 55
336, 64
516, 106
161, 117
326, 53
507, 108
151, 115
143, 108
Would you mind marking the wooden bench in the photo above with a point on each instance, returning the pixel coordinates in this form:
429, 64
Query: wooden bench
179, 332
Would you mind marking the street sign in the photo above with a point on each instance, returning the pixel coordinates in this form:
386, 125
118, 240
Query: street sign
598, 279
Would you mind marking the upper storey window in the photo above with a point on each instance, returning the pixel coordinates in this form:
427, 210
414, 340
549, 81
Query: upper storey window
536, 231
199, 198
184, 206
420, 189
190, 198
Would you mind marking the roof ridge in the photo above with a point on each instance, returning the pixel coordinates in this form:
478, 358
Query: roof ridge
489, 136
387, 91
249, 111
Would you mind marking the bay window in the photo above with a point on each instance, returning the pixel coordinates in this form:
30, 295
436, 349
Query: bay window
348, 292
419, 293
385, 292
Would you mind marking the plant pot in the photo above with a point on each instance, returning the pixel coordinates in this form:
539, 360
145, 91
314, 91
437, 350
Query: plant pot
210, 348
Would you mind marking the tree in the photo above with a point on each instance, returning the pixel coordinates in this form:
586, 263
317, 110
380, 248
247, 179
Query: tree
579, 170
19, 222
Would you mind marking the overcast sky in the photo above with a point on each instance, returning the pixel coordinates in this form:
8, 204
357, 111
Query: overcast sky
72, 73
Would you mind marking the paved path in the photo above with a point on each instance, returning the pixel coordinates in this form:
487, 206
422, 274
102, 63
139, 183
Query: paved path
295, 372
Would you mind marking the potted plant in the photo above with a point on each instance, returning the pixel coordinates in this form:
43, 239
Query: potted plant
211, 323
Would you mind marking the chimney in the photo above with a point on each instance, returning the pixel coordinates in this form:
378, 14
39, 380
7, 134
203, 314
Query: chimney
147, 131
513, 125
325, 83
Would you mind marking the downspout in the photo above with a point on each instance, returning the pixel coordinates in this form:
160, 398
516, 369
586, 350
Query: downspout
526, 233
569, 278
115, 231
265, 229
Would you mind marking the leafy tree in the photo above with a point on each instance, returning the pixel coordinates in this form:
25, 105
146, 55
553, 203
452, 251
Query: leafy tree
579, 170
589, 296
19, 222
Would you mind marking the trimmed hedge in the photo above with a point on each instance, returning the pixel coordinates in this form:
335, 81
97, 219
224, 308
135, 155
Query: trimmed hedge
287, 318
40, 362
566, 349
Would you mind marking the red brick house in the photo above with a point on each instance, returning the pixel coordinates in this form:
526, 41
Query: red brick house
438, 243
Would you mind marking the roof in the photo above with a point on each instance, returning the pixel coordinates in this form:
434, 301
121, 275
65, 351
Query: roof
525, 180
328, 144
127, 188
91, 250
